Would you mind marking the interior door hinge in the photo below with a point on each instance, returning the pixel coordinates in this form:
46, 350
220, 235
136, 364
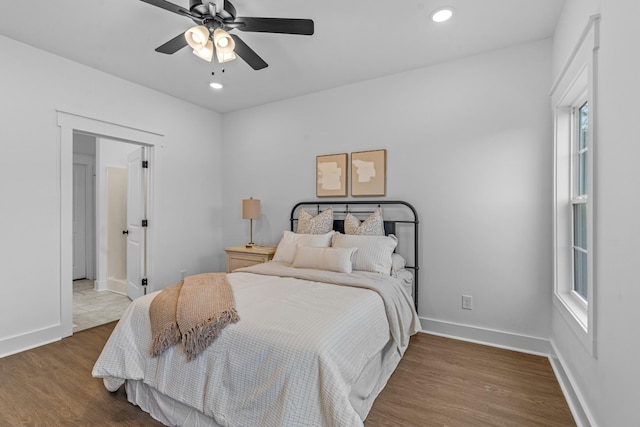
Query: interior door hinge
145, 164
144, 281
145, 223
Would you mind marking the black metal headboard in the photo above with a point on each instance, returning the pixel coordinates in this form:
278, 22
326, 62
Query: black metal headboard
403, 210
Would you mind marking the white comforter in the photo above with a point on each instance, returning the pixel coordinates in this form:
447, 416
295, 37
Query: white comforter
291, 360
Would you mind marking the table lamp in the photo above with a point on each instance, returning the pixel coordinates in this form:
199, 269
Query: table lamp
250, 211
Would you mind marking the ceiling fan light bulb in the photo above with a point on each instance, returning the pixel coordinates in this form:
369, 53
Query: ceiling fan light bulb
197, 37
223, 41
206, 52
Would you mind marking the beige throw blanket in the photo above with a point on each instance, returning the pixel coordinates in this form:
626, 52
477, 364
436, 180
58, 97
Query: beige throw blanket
193, 312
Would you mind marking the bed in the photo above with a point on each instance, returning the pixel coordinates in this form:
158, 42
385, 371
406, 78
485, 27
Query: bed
319, 333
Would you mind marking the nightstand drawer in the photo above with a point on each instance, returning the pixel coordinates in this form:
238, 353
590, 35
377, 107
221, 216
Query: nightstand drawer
241, 256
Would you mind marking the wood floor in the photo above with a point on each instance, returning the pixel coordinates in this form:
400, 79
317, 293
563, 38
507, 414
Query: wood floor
439, 382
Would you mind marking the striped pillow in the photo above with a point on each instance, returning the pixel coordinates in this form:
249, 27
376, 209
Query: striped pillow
373, 254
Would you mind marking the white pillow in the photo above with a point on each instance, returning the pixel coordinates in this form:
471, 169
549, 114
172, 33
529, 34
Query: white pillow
374, 252
319, 224
287, 247
332, 259
398, 263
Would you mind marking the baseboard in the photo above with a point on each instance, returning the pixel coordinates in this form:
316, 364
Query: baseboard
581, 414
100, 285
494, 338
20, 343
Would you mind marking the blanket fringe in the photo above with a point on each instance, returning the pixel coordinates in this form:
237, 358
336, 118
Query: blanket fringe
167, 338
198, 338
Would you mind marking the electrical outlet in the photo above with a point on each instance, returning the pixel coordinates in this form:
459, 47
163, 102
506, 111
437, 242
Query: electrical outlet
467, 302
183, 274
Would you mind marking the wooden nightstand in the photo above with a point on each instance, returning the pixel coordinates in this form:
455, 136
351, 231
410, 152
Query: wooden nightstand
241, 256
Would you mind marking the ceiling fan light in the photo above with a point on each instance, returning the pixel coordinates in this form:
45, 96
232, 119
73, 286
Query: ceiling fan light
197, 37
224, 56
206, 52
223, 41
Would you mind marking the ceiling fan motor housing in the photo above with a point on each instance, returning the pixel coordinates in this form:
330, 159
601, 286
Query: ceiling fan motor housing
198, 7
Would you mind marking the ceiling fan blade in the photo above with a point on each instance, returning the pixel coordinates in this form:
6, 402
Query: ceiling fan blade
163, 4
173, 45
273, 25
246, 53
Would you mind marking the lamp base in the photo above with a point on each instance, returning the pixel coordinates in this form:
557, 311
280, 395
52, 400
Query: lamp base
250, 245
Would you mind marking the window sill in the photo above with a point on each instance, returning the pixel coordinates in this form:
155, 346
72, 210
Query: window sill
576, 316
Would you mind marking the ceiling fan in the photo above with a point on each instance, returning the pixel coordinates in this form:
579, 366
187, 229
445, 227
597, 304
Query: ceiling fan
214, 19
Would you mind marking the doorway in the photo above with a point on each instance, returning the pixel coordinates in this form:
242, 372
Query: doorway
102, 199
70, 125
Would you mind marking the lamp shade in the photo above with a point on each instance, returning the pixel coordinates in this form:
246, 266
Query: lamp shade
206, 52
251, 208
197, 37
223, 41
225, 57
224, 44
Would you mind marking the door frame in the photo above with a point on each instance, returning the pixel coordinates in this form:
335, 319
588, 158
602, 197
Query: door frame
69, 123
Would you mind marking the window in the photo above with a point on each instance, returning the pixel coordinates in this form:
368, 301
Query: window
574, 106
580, 148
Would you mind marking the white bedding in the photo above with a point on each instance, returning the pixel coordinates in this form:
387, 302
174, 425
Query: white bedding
301, 354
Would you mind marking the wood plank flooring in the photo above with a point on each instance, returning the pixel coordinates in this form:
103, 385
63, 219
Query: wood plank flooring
439, 382
446, 382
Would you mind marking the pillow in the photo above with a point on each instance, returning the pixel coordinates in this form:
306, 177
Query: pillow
373, 254
397, 263
319, 224
286, 249
372, 226
332, 259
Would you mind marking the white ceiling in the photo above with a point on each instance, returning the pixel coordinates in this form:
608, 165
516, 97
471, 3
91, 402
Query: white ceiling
354, 40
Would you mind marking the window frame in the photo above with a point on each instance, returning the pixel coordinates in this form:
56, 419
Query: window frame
575, 85
577, 196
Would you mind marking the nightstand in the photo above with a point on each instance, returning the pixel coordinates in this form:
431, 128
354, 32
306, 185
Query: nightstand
241, 256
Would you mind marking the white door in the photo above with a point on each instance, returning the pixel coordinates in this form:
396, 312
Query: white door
136, 233
79, 221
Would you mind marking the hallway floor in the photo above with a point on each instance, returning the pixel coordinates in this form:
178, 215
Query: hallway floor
92, 308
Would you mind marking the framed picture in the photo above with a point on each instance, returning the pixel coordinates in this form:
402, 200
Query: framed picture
331, 175
368, 173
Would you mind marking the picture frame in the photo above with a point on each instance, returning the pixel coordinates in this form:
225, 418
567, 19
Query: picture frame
369, 173
331, 175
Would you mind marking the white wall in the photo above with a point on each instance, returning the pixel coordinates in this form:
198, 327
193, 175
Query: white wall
468, 144
608, 385
34, 85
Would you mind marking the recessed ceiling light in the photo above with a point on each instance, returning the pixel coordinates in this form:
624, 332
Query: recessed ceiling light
442, 15
216, 85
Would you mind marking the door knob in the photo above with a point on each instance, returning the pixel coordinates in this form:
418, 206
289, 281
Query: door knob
125, 231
